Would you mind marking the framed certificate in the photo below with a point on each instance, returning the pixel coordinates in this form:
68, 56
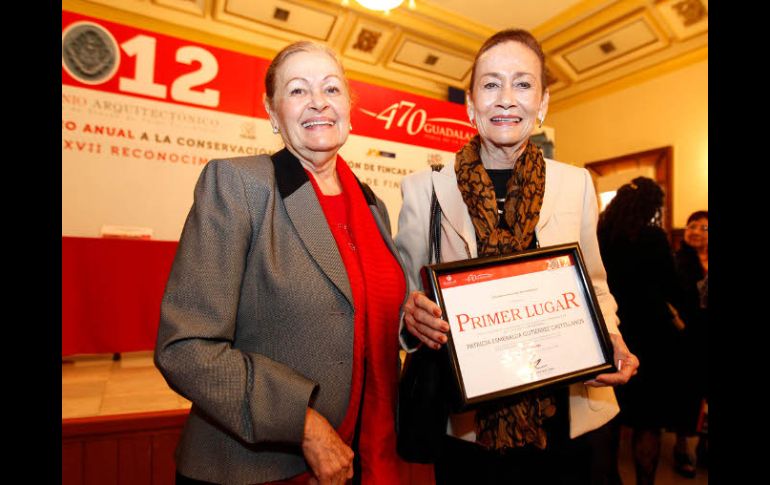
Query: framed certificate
520, 322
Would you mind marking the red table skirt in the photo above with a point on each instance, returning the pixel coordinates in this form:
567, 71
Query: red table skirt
111, 293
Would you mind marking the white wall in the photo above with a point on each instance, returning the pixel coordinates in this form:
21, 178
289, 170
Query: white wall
671, 109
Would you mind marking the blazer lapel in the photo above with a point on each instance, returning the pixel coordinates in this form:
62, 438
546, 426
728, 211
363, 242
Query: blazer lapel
308, 219
453, 206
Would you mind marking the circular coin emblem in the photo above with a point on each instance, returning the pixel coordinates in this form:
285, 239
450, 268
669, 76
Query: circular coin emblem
89, 52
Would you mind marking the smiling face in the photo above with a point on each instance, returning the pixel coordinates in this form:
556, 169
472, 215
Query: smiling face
696, 233
310, 106
507, 97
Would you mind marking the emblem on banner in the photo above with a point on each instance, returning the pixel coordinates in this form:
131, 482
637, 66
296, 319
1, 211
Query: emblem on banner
89, 52
249, 130
374, 152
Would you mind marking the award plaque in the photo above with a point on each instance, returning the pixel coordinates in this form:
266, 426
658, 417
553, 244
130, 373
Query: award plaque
520, 322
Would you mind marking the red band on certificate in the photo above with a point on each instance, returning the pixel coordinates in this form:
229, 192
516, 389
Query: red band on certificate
504, 271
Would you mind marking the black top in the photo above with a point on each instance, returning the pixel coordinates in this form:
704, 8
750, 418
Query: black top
642, 278
694, 312
500, 179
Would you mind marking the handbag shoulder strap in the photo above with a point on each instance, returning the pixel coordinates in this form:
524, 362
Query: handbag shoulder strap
434, 245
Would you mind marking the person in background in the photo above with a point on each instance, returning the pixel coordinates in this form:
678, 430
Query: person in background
502, 196
642, 277
281, 313
692, 264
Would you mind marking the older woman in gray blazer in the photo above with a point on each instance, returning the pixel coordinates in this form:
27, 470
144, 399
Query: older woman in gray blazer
499, 197
280, 317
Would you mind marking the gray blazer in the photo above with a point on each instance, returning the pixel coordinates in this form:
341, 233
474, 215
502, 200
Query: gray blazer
257, 319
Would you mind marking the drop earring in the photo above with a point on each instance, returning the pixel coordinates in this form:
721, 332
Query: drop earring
540, 119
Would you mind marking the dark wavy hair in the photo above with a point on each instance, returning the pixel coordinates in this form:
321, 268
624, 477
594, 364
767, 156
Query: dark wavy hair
697, 215
636, 205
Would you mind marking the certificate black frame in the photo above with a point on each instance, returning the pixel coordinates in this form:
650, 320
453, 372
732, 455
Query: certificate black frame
431, 273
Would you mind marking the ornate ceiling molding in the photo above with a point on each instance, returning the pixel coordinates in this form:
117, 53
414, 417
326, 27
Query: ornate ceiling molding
590, 48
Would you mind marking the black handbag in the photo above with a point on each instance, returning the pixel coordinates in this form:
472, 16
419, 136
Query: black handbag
423, 392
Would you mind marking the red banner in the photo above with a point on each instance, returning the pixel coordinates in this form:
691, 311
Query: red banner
119, 59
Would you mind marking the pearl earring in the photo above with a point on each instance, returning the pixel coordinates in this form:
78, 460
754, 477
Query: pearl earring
275, 130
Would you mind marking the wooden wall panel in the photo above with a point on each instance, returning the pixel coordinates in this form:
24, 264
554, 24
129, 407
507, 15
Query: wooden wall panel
135, 460
163, 465
72, 463
100, 462
129, 449
138, 449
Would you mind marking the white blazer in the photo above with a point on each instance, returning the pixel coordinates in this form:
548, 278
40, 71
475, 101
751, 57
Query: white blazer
569, 213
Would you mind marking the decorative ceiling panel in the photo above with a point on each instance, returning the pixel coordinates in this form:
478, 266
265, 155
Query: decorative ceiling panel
424, 57
686, 18
368, 41
611, 45
617, 43
299, 19
193, 6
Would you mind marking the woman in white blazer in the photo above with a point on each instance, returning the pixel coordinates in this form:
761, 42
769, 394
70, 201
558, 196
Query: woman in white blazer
502, 196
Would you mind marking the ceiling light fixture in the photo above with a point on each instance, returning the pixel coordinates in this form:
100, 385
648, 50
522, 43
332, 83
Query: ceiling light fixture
382, 5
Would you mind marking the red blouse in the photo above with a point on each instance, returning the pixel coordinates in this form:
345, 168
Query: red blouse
378, 287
